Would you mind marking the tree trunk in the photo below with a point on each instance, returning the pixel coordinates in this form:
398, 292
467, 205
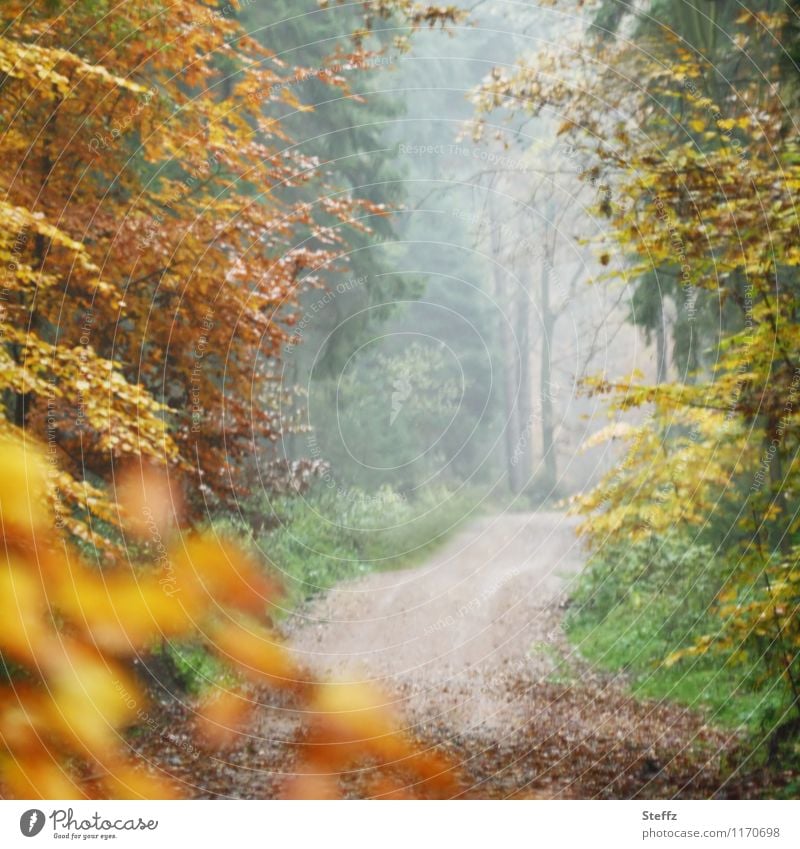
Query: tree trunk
661, 344
550, 468
525, 407
511, 364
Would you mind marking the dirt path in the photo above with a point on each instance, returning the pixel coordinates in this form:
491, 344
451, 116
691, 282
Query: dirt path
470, 648
446, 637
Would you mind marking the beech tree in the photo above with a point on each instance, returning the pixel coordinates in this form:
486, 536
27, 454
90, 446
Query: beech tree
156, 231
711, 176
157, 234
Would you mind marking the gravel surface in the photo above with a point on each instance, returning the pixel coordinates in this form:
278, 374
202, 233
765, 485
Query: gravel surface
470, 650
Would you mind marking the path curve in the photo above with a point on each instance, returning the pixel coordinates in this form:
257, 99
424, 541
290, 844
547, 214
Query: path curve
442, 636
470, 647
470, 650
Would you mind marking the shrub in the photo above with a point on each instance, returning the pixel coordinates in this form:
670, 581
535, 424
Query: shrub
636, 605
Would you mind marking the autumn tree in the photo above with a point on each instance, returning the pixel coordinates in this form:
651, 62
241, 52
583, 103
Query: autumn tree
711, 173
159, 229
70, 632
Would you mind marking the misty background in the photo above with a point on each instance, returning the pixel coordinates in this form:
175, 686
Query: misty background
446, 352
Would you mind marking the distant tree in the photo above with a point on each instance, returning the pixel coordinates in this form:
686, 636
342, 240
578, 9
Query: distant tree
713, 180
395, 415
158, 228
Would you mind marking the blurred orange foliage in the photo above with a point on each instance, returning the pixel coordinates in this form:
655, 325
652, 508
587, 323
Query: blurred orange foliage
70, 631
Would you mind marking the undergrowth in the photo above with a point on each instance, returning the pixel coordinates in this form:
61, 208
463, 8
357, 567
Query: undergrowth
635, 605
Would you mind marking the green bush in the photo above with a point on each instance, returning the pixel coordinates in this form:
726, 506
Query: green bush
326, 536
196, 666
635, 605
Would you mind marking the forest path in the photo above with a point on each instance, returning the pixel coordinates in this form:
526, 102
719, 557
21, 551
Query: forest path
447, 636
470, 648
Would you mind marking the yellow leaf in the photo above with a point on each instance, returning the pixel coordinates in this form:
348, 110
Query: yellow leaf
23, 500
23, 633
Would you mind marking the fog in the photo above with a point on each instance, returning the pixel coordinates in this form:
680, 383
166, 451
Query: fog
449, 347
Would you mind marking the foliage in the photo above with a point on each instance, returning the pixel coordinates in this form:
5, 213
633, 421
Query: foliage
71, 631
157, 230
155, 272
344, 128
404, 431
635, 603
704, 178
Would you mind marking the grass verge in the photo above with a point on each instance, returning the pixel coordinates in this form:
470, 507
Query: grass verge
634, 606
321, 538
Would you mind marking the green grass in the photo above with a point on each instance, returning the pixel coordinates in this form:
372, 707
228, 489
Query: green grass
323, 539
635, 646
197, 668
634, 607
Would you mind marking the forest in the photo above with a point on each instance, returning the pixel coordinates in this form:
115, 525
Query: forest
399, 400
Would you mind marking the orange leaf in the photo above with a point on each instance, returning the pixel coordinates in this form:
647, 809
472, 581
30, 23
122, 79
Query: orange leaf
256, 651
221, 718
